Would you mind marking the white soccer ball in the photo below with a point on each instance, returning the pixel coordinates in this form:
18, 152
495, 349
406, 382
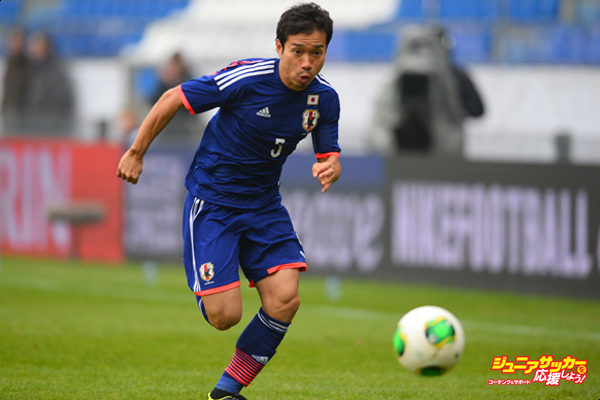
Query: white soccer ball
429, 341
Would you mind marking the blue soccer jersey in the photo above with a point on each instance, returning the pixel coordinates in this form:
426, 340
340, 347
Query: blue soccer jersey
259, 124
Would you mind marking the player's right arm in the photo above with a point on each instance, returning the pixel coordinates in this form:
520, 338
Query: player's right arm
130, 166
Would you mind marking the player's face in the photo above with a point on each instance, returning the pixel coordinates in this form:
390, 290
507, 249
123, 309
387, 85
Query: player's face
301, 59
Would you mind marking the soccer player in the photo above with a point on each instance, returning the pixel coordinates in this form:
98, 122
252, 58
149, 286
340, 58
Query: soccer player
233, 216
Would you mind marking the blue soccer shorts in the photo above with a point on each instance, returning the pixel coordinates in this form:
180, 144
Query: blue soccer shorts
217, 240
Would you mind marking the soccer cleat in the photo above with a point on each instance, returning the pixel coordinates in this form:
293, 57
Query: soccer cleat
218, 394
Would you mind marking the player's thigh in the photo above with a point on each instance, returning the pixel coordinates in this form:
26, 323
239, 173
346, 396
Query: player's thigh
210, 247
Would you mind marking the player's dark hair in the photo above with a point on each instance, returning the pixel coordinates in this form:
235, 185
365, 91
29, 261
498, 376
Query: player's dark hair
304, 18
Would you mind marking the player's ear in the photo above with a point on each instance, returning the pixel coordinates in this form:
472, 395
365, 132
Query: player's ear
279, 47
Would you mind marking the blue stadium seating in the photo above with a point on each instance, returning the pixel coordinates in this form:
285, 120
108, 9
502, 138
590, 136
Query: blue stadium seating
102, 27
379, 43
593, 45
370, 46
480, 10
145, 9
568, 45
472, 43
411, 9
550, 44
534, 10
469, 9
528, 45
9, 12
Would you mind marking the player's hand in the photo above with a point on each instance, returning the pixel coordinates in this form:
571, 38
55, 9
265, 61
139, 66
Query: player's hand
326, 173
130, 167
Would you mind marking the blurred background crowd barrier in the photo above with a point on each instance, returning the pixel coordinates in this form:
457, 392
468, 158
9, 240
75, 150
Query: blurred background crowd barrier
501, 98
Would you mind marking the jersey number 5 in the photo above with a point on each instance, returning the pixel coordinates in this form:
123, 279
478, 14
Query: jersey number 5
276, 152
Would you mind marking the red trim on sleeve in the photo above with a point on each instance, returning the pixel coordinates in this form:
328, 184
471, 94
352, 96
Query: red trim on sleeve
218, 289
184, 100
300, 265
327, 155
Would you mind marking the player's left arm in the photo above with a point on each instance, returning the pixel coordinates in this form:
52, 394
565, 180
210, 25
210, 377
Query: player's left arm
327, 171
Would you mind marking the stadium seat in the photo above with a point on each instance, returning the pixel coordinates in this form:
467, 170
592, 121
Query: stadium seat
519, 45
411, 9
568, 45
554, 44
593, 45
99, 28
363, 32
475, 10
471, 43
534, 10
370, 46
9, 12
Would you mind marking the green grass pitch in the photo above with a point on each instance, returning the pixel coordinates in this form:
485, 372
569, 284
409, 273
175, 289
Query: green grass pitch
73, 331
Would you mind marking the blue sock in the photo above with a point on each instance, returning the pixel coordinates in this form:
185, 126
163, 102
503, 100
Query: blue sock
228, 384
255, 347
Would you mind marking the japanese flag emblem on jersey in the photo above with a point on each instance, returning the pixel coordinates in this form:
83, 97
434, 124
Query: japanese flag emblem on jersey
207, 271
310, 119
313, 100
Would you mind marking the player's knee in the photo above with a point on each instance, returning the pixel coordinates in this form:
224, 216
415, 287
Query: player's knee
288, 306
293, 304
224, 321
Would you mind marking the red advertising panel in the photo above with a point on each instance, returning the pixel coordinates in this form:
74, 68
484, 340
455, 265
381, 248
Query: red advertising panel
60, 198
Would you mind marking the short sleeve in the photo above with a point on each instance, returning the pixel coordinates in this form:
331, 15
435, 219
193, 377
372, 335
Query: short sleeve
202, 94
325, 137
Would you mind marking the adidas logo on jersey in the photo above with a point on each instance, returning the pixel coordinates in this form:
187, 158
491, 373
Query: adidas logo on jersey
264, 113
